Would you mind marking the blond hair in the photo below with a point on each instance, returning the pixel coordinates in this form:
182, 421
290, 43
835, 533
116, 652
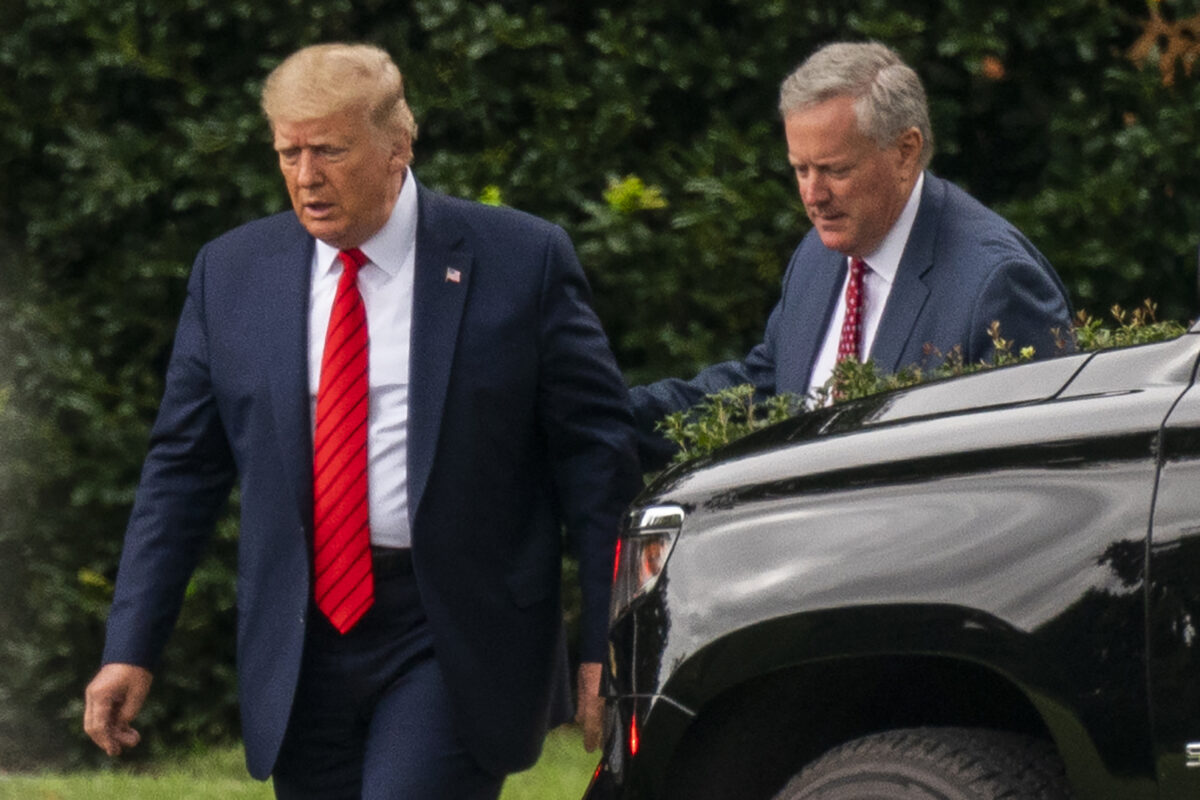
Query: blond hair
326, 79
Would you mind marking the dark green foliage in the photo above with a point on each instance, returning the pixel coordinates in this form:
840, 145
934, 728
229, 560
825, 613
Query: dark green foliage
130, 134
726, 416
1139, 326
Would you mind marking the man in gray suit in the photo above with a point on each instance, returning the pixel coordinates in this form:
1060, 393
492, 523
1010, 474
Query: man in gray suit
899, 267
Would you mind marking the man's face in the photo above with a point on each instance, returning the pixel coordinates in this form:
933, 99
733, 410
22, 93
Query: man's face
851, 188
342, 174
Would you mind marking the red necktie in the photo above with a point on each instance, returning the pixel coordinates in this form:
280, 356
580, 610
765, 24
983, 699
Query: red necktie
343, 584
850, 343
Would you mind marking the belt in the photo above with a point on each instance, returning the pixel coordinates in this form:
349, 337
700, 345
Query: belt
391, 560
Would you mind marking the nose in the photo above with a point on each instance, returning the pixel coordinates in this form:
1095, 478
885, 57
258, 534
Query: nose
308, 172
814, 188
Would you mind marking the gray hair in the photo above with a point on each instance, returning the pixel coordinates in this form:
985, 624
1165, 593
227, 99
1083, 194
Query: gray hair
888, 95
325, 79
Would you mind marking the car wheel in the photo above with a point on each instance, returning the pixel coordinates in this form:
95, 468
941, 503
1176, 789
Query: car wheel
934, 763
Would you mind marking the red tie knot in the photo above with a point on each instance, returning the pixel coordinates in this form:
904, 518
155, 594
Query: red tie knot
352, 260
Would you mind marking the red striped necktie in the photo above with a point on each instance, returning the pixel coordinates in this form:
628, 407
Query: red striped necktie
343, 584
851, 342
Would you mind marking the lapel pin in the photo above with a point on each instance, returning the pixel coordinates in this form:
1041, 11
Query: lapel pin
453, 275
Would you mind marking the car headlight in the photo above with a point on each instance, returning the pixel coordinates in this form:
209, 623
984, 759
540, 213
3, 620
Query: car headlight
642, 551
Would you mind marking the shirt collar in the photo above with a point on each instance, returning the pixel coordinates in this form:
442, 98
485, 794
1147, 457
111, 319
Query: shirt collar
390, 244
885, 261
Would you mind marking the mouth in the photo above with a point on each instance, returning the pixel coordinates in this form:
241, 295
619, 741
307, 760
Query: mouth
826, 217
318, 210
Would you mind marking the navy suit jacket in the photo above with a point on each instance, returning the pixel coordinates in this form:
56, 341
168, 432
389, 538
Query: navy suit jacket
518, 425
963, 267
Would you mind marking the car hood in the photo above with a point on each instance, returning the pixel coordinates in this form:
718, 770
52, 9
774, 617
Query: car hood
757, 455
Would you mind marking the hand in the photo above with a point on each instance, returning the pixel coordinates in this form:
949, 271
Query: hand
589, 709
113, 699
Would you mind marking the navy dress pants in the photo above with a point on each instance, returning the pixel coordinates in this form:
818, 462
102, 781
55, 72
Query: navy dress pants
372, 716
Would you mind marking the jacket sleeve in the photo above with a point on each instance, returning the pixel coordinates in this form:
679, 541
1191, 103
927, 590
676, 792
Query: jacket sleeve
1030, 304
652, 402
589, 433
185, 483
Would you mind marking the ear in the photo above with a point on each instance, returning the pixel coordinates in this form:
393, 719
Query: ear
909, 145
401, 155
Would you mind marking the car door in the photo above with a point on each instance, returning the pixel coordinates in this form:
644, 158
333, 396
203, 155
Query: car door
1173, 604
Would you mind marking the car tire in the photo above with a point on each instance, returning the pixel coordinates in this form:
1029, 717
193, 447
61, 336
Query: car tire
934, 764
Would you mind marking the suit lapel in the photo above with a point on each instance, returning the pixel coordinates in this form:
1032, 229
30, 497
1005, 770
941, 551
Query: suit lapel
441, 280
815, 297
285, 349
909, 289
798, 324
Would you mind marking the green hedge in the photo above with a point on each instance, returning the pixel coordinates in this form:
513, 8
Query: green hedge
129, 134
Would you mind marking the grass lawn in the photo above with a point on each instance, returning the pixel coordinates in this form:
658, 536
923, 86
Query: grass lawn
562, 774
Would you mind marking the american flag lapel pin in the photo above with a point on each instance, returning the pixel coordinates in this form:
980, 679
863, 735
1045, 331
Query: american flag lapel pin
453, 275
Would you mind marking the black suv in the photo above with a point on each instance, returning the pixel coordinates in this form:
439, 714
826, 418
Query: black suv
987, 587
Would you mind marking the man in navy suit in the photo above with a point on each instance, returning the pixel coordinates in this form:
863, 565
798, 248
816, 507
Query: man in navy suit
937, 267
496, 417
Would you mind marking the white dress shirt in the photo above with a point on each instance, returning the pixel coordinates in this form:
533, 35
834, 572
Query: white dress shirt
386, 286
882, 266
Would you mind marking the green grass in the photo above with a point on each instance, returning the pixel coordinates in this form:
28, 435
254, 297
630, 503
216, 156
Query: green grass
562, 772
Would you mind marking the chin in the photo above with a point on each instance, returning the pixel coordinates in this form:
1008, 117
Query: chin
326, 234
835, 242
